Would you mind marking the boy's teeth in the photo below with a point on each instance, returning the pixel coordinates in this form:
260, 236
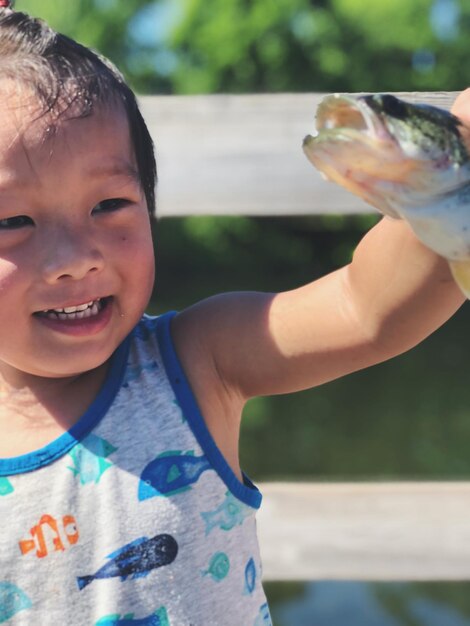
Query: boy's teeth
75, 312
75, 309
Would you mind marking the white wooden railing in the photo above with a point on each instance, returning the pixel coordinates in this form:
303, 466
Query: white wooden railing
241, 155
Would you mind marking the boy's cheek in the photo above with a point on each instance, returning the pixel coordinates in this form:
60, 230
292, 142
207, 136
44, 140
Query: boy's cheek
8, 274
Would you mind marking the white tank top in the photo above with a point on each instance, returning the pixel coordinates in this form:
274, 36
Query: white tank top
133, 517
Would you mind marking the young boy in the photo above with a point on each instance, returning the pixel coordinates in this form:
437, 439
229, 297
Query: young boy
121, 497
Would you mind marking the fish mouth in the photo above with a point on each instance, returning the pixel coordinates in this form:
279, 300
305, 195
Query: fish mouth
351, 117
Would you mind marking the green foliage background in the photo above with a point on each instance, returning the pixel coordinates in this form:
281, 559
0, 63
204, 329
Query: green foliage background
407, 418
214, 46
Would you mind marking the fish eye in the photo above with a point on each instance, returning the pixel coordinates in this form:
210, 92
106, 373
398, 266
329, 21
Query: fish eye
388, 104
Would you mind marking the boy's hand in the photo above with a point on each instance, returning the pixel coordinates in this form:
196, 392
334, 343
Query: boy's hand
461, 106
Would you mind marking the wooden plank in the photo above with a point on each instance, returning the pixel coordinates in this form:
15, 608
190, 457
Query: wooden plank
242, 155
379, 531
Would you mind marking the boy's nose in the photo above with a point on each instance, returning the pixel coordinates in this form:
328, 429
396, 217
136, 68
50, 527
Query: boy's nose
71, 255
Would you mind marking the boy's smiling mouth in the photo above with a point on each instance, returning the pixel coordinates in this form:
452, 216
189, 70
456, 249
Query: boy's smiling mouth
79, 311
87, 318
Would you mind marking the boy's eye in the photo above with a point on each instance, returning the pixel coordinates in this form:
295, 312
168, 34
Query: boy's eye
113, 204
18, 221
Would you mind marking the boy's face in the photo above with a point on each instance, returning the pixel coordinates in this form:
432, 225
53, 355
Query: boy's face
74, 229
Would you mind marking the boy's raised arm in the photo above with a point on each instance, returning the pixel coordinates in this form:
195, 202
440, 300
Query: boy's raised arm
392, 295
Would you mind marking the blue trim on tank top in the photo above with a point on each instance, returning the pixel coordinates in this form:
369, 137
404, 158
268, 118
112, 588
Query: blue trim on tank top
247, 492
92, 416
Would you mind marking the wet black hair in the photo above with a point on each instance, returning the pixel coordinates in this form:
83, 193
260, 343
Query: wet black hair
67, 76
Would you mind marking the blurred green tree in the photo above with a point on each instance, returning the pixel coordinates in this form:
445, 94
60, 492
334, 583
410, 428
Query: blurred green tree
213, 46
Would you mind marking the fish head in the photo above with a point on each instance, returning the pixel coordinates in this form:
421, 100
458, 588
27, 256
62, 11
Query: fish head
393, 154
410, 161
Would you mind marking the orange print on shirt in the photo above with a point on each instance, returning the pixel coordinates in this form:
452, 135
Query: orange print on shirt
48, 524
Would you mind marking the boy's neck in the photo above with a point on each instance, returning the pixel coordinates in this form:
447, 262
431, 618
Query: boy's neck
35, 411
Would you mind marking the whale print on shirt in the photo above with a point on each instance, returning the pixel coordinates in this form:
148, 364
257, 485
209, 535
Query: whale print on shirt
136, 559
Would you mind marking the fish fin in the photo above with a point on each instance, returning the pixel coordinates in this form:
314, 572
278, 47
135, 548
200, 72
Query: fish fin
170, 453
162, 615
133, 544
103, 466
140, 575
461, 273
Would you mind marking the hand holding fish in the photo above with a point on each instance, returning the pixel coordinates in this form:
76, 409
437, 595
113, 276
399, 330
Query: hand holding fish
409, 161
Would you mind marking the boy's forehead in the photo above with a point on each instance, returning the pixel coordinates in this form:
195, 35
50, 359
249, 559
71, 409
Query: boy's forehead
28, 135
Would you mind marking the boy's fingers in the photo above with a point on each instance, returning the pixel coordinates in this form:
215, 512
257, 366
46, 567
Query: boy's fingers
461, 106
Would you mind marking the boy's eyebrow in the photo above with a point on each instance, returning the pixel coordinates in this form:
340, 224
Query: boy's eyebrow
114, 168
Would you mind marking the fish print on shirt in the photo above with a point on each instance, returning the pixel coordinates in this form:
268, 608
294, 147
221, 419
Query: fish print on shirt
264, 618
136, 559
159, 618
41, 534
219, 567
146, 331
133, 372
12, 601
89, 459
232, 512
171, 473
250, 577
5, 487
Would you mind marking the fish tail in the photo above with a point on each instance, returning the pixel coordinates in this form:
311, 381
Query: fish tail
83, 581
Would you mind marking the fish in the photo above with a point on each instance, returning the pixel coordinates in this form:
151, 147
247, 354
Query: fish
5, 486
229, 514
219, 567
47, 532
409, 161
12, 601
171, 473
147, 330
89, 459
250, 577
136, 559
263, 618
159, 618
134, 372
